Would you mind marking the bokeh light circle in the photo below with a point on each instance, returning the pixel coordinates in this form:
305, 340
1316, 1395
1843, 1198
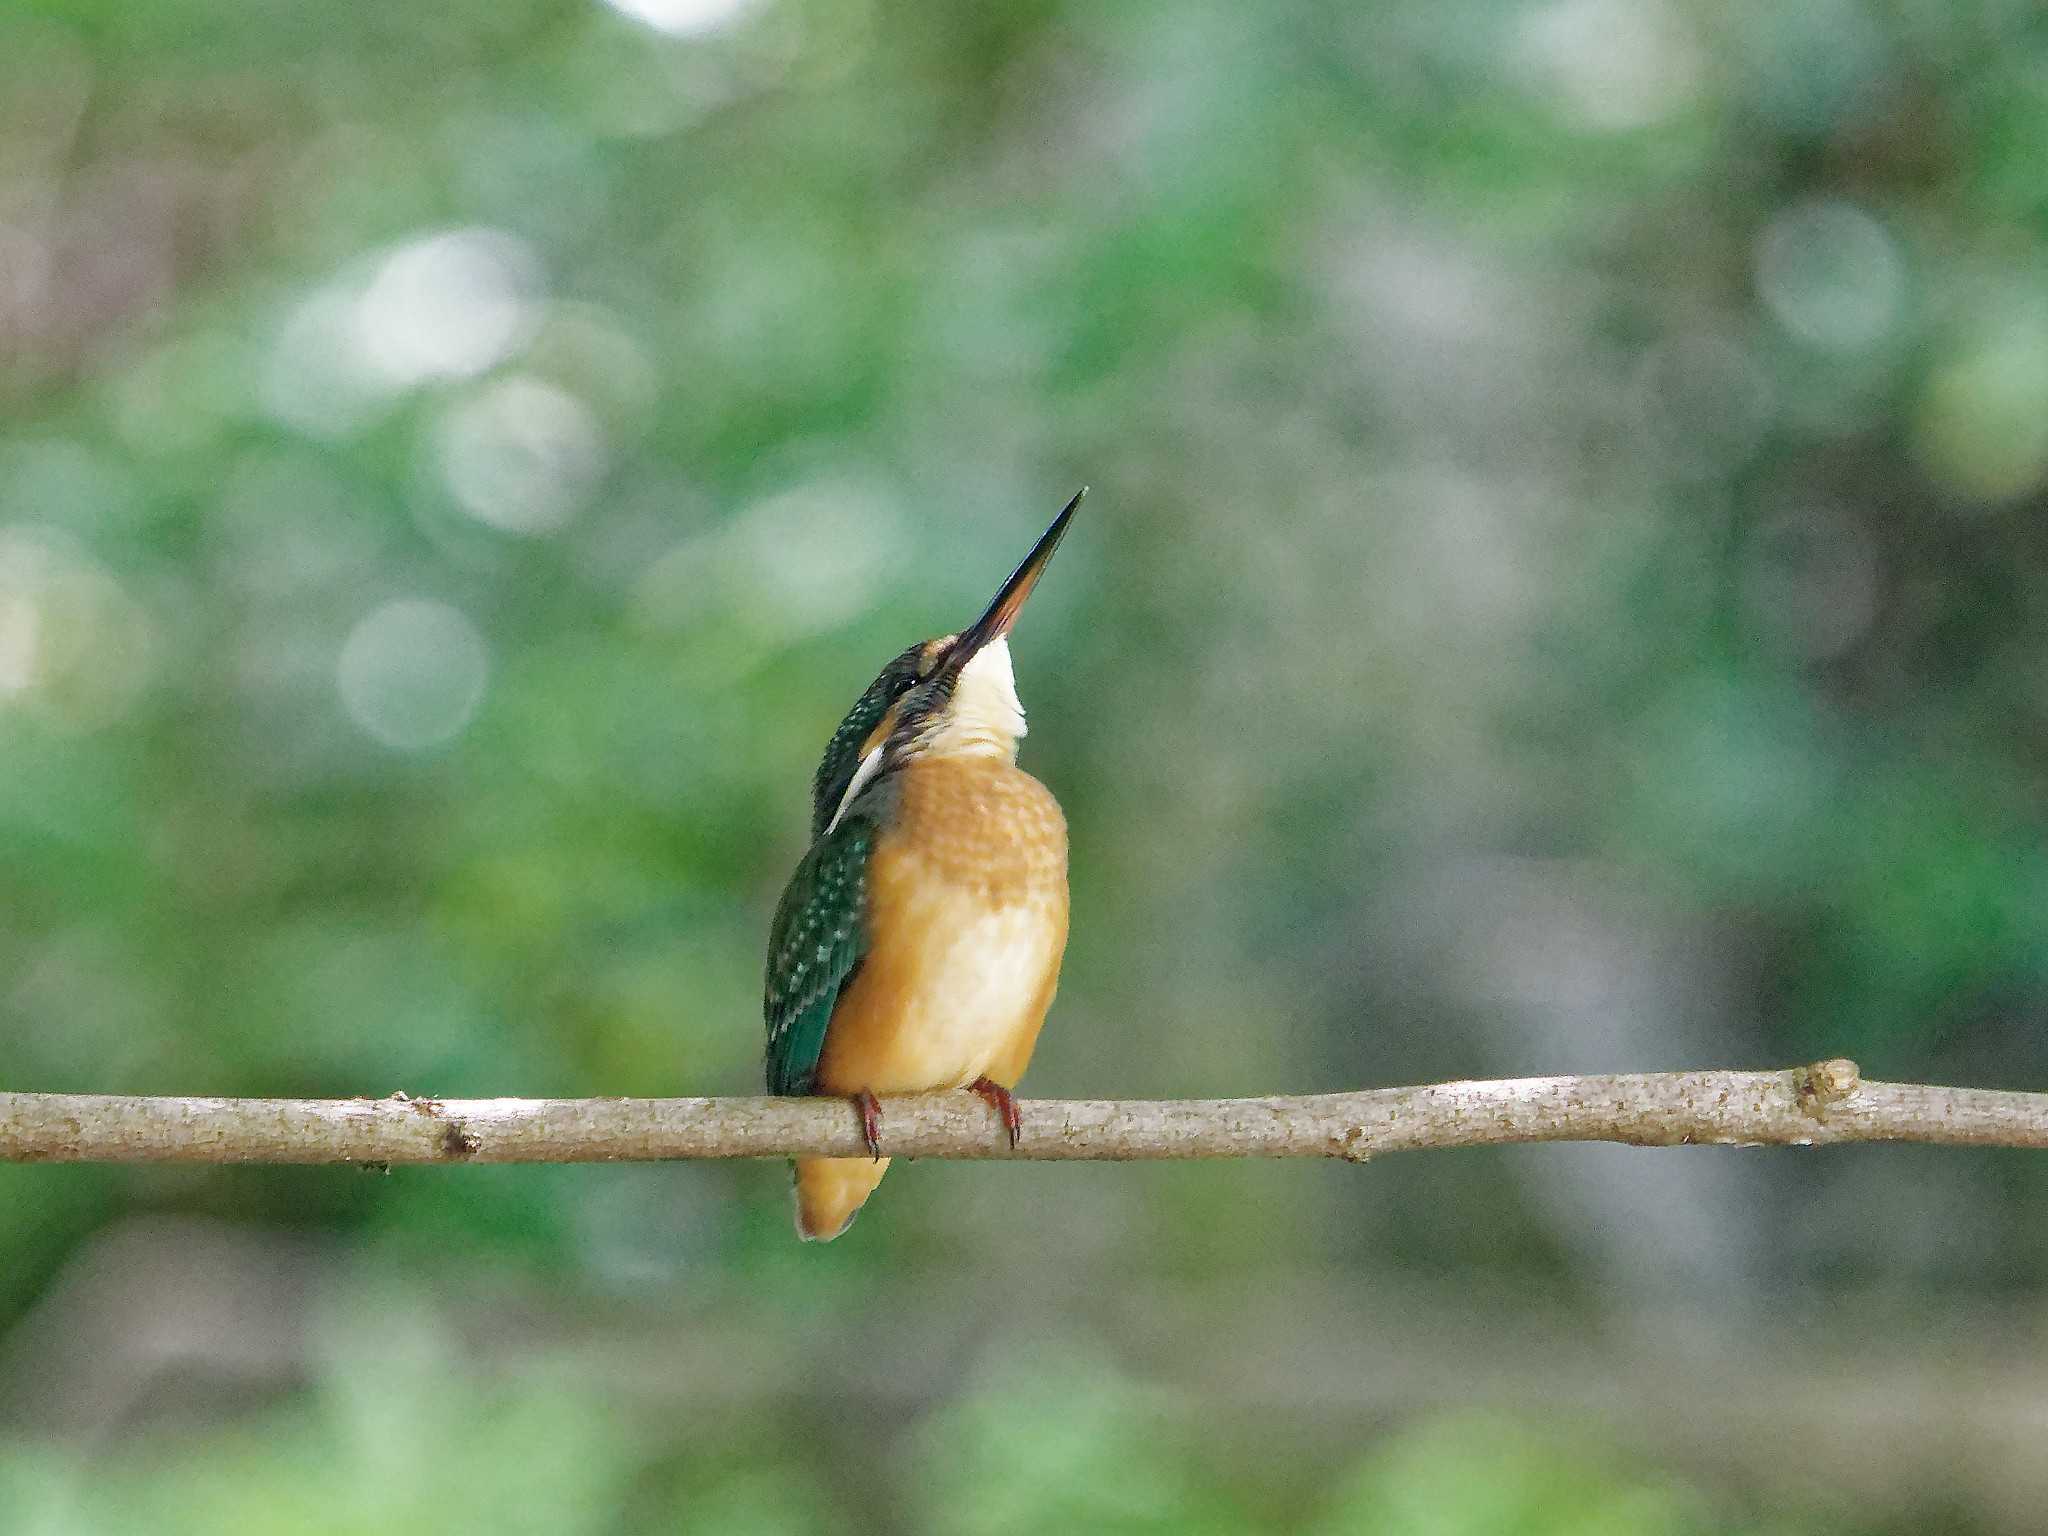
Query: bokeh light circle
75, 648
1832, 275
412, 673
683, 18
521, 456
448, 305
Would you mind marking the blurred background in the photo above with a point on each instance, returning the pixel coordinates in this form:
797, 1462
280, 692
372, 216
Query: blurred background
1566, 589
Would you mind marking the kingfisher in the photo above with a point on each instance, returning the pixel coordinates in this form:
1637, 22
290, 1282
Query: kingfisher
918, 944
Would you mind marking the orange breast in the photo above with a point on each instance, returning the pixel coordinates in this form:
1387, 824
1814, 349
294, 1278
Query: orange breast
967, 920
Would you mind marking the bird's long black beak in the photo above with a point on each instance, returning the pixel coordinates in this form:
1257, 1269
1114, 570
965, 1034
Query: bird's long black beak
1009, 602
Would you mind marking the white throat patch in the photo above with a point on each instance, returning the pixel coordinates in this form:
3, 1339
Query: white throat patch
985, 715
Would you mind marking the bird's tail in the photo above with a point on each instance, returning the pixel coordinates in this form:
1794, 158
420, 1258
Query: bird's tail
830, 1192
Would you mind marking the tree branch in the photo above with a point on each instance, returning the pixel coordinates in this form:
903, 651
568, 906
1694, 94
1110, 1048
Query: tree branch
1817, 1105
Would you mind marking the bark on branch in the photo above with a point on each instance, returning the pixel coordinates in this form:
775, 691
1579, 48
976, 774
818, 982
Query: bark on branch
1816, 1105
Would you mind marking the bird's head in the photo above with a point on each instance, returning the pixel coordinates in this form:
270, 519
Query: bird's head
952, 695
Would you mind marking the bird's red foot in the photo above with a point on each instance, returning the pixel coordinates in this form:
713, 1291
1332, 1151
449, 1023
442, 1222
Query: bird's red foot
870, 1112
1003, 1103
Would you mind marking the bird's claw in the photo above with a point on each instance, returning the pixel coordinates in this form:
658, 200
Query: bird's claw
1004, 1103
870, 1111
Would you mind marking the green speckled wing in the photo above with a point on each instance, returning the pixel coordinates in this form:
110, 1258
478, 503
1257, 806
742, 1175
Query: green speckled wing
817, 940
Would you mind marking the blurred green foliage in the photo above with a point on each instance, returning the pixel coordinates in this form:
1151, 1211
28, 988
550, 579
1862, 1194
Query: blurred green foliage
1562, 592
